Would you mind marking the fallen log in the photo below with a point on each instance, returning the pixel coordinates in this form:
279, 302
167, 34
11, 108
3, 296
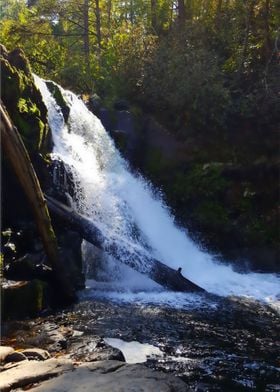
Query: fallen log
159, 272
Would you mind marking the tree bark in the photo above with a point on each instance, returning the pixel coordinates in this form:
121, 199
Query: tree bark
98, 25
158, 271
249, 15
86, 32
268, 42
181, 13
19, 159
109, 13
154, 15
188, 10
218, 12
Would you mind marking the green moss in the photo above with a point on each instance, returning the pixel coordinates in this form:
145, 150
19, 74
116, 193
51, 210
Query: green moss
24, 103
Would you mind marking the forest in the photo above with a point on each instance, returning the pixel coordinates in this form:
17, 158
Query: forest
209, 61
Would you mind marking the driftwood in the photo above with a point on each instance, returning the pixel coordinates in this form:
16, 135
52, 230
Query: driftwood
19, 159
158, 271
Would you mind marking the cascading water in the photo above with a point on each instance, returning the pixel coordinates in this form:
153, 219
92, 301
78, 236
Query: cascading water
128, 211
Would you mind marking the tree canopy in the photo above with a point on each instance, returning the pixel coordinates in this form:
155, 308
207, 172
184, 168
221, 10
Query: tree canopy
202, 58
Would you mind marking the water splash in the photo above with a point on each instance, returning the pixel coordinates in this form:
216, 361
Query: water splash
126, 208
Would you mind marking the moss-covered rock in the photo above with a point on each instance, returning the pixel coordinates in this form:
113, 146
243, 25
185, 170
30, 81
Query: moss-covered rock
61, 102
23, 101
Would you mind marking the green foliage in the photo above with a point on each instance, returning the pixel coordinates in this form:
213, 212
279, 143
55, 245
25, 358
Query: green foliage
186, 80
203, 180
211, 213
123, 62
218, 64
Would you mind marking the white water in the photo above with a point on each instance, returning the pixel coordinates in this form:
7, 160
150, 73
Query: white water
129, 212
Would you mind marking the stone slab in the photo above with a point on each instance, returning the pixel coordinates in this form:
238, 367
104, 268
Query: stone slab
28, 372
113, 376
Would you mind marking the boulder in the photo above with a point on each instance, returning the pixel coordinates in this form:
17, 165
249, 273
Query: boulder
95, 349
24, 102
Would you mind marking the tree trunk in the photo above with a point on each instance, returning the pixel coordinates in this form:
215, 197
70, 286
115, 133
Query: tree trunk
154, 15
158, 271
98, 25
131, 12
249, 15
109, 13
188, 10
268, 43
86, 33
19, 159
218, 13
181, 13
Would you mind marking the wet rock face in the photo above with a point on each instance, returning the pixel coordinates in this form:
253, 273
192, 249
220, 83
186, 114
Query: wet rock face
71, 257
54, 89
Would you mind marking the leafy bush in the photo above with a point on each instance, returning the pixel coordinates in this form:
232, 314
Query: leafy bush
186, 80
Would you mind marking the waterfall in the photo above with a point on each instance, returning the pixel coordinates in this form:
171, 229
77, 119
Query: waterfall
126, 208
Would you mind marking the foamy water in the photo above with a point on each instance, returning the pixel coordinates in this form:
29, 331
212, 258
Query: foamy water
127, 210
